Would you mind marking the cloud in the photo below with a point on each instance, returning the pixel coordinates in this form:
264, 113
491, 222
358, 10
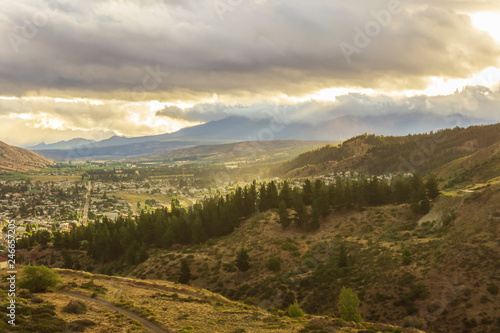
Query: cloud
473, 101
240, 60
28, 121
110, 48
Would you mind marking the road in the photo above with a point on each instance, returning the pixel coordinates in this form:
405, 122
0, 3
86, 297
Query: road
85, 212
149, 326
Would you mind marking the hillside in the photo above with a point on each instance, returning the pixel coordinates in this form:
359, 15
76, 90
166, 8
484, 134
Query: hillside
19, 159
388, 154
249, 151
93, 151
449, 279
472, 169
114, 304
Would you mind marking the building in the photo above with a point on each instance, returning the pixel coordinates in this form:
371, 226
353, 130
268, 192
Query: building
3, 263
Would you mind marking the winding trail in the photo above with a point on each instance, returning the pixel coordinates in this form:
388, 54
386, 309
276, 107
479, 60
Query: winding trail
149, 326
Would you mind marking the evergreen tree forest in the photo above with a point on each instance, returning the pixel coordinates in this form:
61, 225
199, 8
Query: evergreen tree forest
383, 154
129, 237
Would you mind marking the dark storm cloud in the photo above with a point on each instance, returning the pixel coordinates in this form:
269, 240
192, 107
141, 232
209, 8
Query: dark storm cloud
256, 47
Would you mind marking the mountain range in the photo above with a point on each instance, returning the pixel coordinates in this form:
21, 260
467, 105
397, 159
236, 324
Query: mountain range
239, 128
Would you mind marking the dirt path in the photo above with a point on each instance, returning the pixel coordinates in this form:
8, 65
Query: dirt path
149, 326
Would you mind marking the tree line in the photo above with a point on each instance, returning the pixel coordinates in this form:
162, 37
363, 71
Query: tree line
382, 154
129, 237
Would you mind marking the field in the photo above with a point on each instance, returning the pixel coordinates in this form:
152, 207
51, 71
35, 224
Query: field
133, 198
54, 178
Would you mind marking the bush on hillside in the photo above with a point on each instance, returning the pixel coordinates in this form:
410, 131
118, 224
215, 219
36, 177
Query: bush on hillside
37, 279
294, 310
274, 264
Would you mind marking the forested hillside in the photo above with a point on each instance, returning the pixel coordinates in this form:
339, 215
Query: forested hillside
388, 154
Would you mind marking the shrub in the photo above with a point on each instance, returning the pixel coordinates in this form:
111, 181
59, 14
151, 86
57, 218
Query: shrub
76, 307
242, 260
274, 264
406, 257
185, 272
418, 291
80, 325
252, 301
493, 289
348, 306
414, 322
229, 267
37, 279
470, 322
294, 310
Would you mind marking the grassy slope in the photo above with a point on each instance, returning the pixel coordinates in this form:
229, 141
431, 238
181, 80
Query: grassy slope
18, 159
171, 307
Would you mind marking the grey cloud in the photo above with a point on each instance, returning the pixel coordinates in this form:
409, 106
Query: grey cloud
209, 112
261, 47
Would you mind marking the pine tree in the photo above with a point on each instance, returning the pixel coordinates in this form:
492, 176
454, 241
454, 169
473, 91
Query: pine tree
323, 204
197, 232
339, 195
315, 214
242, 260
402, 189
263, 199
141, 255
373, 191
307, 192
283, 213
348, 306
67, 260
286, 194
272, 195
301, 216
185, 273
343, 256
131, 251
432, 187
44, 237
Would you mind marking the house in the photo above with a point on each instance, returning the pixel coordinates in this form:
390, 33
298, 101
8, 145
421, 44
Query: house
20, 230
3, 263
110, 215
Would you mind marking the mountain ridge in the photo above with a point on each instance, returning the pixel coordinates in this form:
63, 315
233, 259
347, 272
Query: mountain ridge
240, 128
18, 159
392, 154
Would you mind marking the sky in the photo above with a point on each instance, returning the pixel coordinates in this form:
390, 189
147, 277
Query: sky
94, 69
